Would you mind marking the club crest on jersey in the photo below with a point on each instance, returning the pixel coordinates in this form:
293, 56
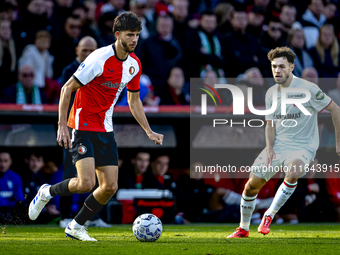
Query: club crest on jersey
82, 150
320, 95
81, 67
132, 70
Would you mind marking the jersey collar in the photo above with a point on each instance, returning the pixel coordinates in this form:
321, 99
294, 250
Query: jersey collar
119, 59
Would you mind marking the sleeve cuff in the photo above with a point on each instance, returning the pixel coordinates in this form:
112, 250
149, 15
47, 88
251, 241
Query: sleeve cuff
80, 83
326, 106
132, 90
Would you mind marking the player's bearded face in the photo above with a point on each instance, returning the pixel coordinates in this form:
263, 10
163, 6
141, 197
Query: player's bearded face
281, 69
129, 41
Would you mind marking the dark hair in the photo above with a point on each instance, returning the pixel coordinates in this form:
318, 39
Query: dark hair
274, 19
288, 5
208, 12
279, 52
127, 21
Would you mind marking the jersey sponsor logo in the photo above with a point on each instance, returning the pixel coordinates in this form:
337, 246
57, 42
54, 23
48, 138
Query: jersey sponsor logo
132, 70
113, 85
82, 149
296, 96
111, 71
320, 95
81, 67
9, 184
288, 116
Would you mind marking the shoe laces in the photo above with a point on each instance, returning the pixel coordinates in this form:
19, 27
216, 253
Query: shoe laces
267, 221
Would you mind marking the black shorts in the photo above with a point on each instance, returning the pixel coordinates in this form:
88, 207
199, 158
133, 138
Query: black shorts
101, 146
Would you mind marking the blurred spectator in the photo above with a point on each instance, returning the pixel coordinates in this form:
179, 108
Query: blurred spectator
139, 7
204, 45
256, 18
223, 13
193, 196
33, 178
326, 53
157, 177
80, 10
105, 24
7, 11
287, 17
160, 53
49, 8
333, 189
335, 93
85, 46
242, 50
330, 12
181, 27
254, 79
163, 7
151, 10
38, 56
24, 91
272, 37
91, 7
176, 94
133, 178
113, 5
63, 49
62, 10
11, 190
296, 41
276, 7
30, 22
311, 21
311, 74
8, 60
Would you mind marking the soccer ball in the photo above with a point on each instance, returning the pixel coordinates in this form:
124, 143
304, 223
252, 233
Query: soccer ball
147, 227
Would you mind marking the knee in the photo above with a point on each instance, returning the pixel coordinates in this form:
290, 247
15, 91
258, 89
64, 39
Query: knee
87, 185
111, 189
251, 190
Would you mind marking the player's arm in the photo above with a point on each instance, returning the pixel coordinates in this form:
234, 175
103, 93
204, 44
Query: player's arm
137, 111
65, 96
335, 111
270, 138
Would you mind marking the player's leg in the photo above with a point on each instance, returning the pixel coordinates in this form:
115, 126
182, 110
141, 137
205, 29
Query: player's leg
248, 203
294, 171
287, 188
83, 158
107, 179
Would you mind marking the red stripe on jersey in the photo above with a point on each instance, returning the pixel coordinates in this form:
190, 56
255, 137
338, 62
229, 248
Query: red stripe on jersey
104, 77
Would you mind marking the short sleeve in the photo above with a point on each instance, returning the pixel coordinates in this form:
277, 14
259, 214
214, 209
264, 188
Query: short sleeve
269, 102
133, 85
89, 69
319, 100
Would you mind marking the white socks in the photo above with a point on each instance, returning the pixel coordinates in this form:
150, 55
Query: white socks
74, 224
284, 192
46, 191
247, 208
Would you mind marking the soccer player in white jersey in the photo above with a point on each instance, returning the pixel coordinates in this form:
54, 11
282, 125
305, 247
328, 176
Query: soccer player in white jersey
88, 133
291, 144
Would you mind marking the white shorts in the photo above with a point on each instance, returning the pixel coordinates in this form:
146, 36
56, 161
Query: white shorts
280, 163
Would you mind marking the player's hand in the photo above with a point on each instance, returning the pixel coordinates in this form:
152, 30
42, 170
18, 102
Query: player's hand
63, 136
271, 155
158, 138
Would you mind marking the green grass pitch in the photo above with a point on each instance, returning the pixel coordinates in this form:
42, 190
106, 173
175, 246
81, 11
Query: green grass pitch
176, 239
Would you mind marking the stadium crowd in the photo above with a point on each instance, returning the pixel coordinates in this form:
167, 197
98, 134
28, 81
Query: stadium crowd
42, 43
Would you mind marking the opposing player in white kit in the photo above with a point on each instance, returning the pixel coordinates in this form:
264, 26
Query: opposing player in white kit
291, 140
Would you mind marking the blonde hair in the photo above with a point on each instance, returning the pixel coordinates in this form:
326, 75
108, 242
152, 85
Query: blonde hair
334, 46
11, 47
